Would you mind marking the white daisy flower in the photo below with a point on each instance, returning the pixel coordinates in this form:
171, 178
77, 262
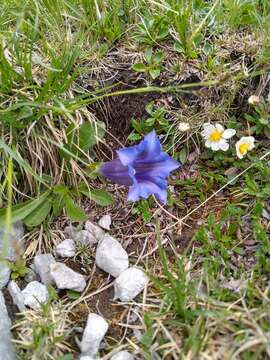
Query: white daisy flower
216, 137
184, 126
245, 144
254, 100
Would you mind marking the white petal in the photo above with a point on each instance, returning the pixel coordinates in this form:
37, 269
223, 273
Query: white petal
205, 134
208, 129
228, 133
206, 125
223, 145
219, 128
215, 146
208, 143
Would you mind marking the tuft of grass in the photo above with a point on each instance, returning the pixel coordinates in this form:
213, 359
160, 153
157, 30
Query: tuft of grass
42, 334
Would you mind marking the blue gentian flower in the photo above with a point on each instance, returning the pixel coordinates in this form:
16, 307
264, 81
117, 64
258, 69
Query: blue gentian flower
143, 167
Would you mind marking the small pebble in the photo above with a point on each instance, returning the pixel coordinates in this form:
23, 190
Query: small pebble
95, 230
7, 348
66, 248
105, 222
15, 244
94, 332
84, 237
30, 275
70, 232
17, 296
35, 294
42, 264
129, 284
122, 355
111, 256
4, 274
66, 278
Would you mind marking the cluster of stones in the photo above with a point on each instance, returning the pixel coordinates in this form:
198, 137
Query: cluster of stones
46, 269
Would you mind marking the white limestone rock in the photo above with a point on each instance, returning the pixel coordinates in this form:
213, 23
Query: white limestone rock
122, 355
42, 264
4, 274
14, 244
129, 284
17, 296
84, 237
35, 294
111, 256
66, 278
94, 332
7, 349
66, 248
95, 230
31, 275
70, 232
105, 222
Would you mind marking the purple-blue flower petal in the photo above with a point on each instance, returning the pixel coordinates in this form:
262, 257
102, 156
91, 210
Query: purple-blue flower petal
161, 166
144, 188
144, 166
129, 154
151, 146
116, 172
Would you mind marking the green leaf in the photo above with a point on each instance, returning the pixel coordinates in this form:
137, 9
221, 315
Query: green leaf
73, 295
183, 155
140, 67
158, 57
90, 133
74, 212
83, 138
148, 55
101, 197
60, 189
21, 211
154, 73
66, 357
37, 216
58, 205
134, 137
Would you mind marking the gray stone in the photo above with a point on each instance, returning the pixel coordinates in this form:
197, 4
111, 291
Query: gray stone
17, 296
42, 264
7, 350
95, 230
111, 256
70, 232
94, 332
14, 244
66, 248
4, 274
31, 275
122, 355
35, 294
105, 222
66, 278
129, 284
84, 237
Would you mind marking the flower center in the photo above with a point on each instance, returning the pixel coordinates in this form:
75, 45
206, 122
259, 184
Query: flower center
243, 148
215, 136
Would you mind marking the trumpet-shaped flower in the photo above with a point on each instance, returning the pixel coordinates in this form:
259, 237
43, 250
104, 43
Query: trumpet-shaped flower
216, 137
245, 144
143, 167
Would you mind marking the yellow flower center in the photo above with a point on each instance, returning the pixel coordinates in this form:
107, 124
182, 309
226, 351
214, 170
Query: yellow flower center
243, 148
215, 136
